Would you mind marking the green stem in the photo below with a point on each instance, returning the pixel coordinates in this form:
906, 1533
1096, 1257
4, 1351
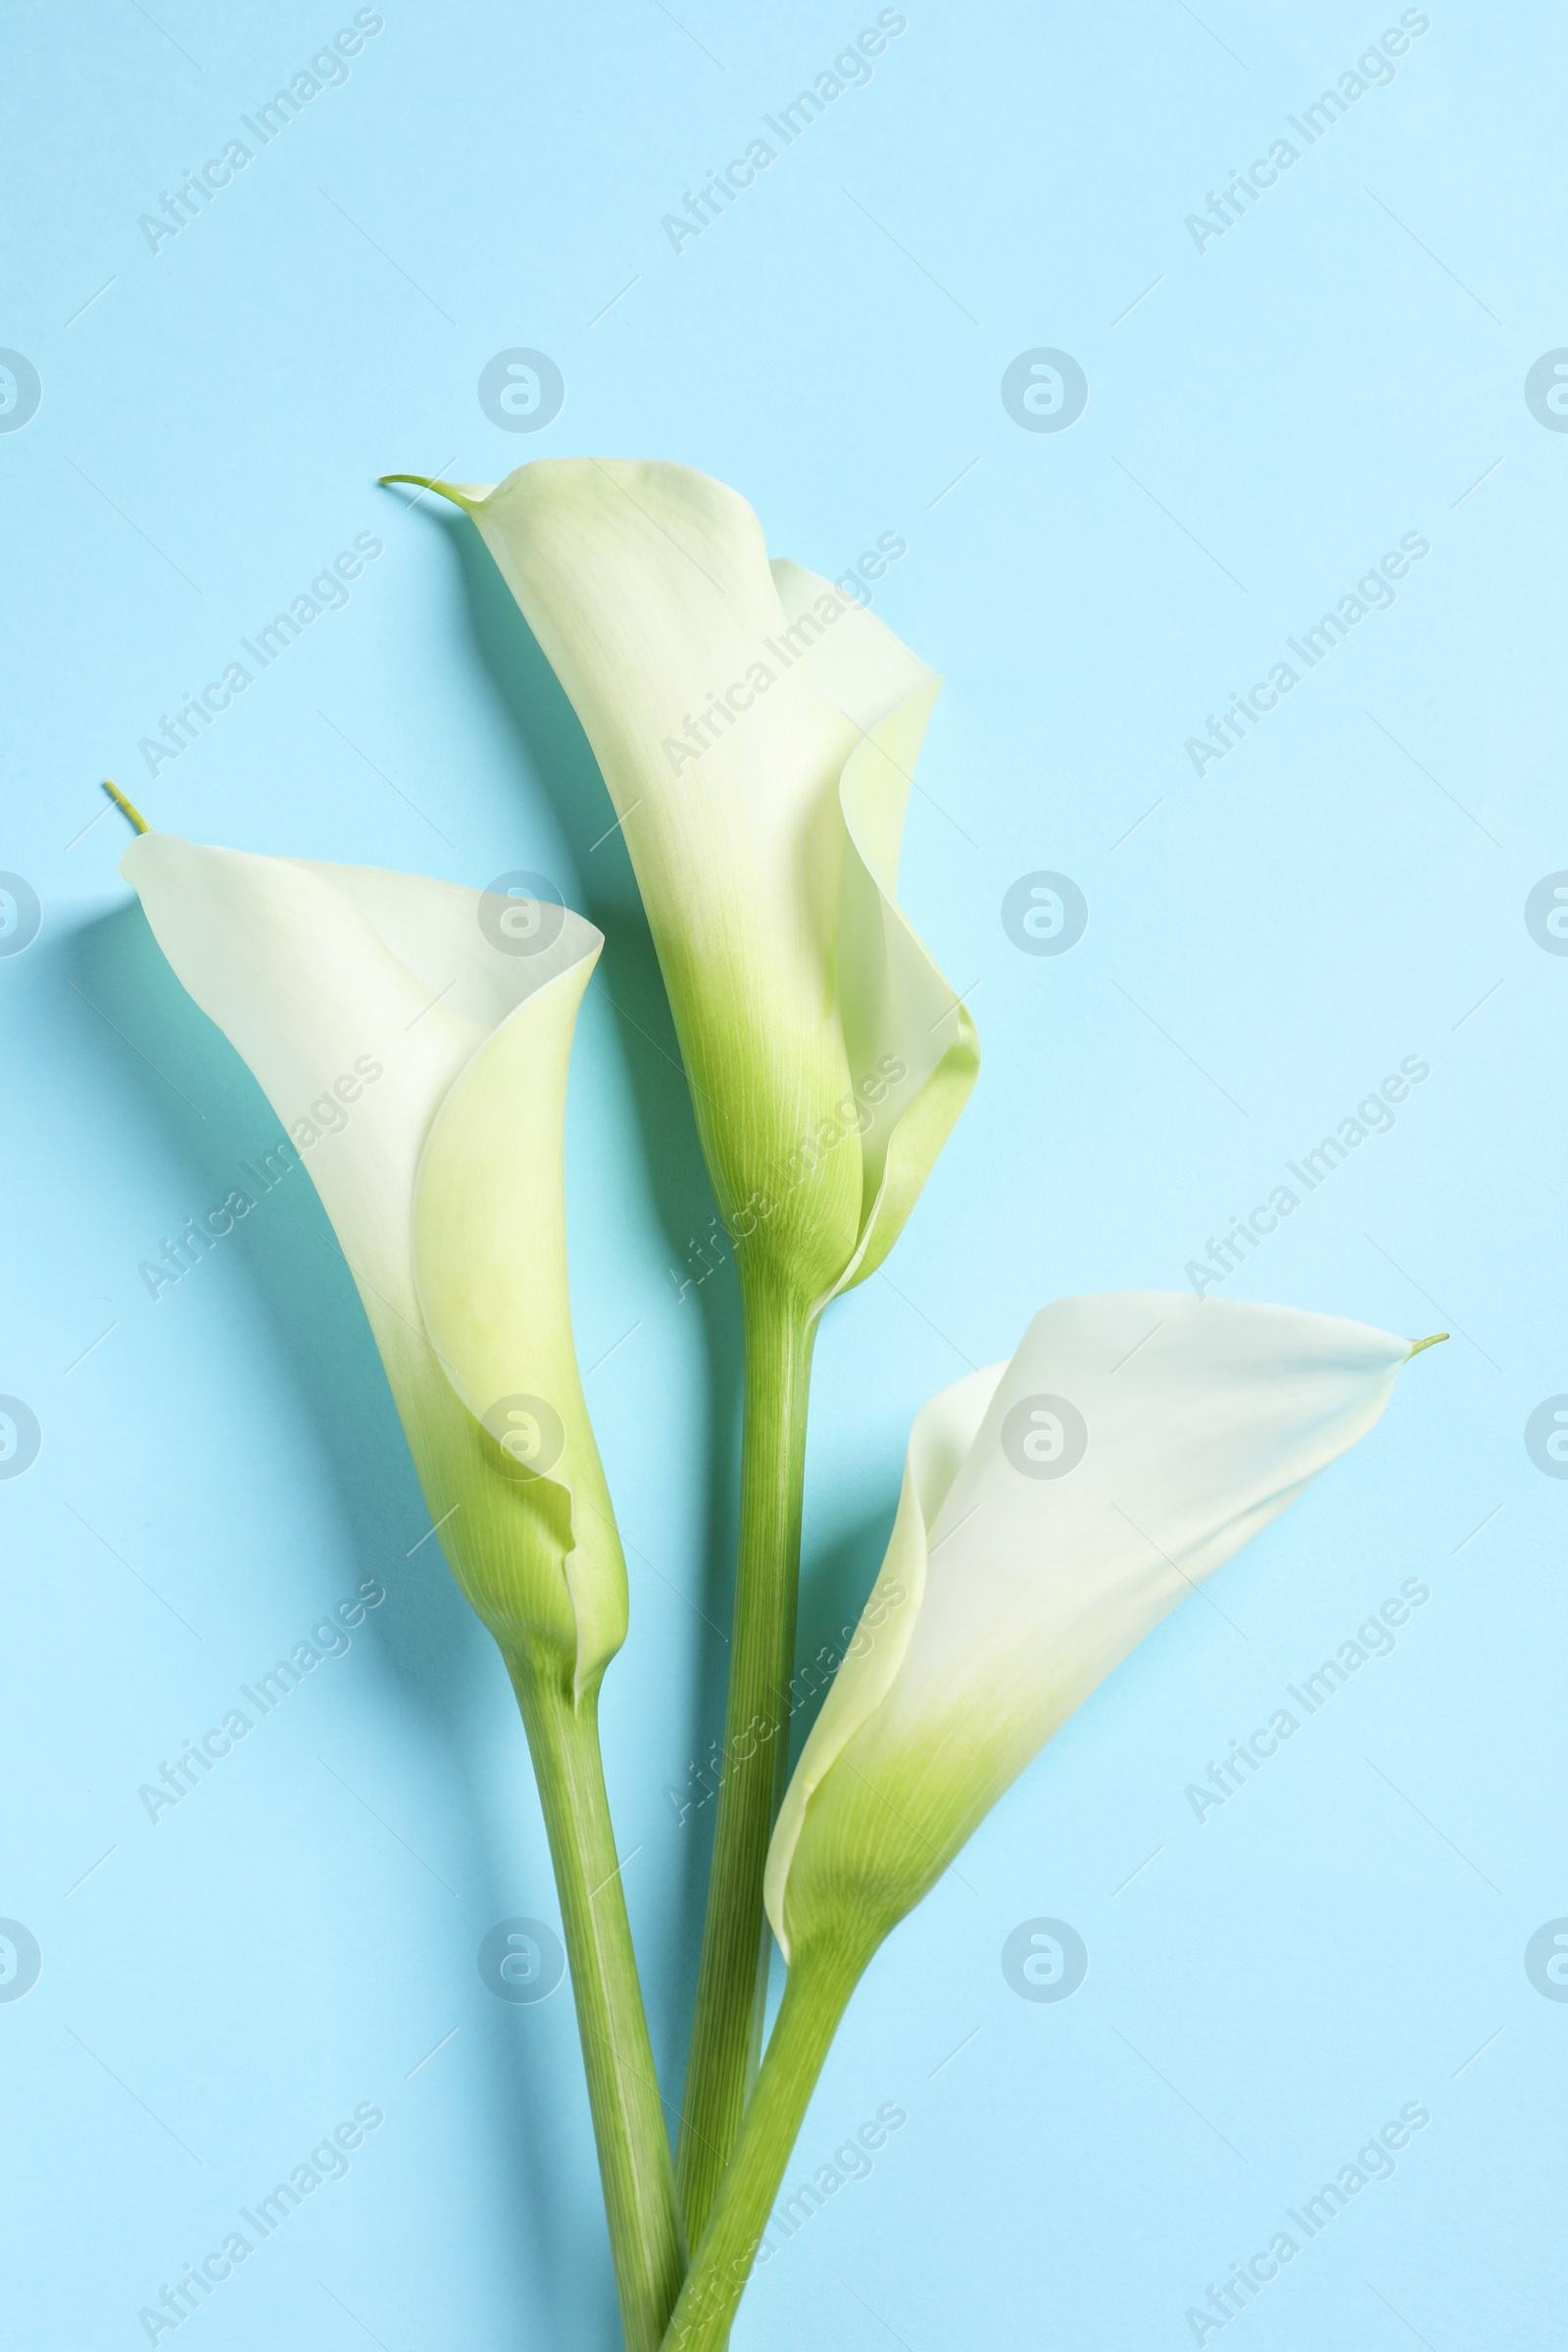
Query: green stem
814, 2000
732, 1975
639, 2182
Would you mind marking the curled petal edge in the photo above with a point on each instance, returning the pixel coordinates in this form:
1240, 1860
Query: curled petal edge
916, 1000
942, 1435
892, 992
491, 1191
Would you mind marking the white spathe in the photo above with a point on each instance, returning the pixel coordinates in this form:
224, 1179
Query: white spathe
416, 1052
1054, 1509
757, 730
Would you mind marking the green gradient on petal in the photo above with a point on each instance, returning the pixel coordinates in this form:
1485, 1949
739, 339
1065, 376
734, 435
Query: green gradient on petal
828, 1058
443, 1180
1013, 1585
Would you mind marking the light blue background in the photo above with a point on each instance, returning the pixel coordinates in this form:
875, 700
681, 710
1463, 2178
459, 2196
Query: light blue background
1343, 367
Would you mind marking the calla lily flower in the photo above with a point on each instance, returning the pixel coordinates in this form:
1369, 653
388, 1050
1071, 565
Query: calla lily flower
758, 729
414, 1038
420, 1066
1055, 1508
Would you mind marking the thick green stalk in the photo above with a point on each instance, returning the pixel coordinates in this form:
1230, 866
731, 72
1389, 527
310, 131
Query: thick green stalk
646, 2240
732, 1975
814, 2000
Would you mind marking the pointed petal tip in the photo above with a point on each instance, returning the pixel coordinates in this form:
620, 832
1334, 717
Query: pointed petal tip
467, 495
1436, 1340
130, 806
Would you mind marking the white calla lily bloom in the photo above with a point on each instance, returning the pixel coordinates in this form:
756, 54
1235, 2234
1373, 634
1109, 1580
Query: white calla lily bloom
1054, 1509
414, 1038
415, 1048
758, 729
